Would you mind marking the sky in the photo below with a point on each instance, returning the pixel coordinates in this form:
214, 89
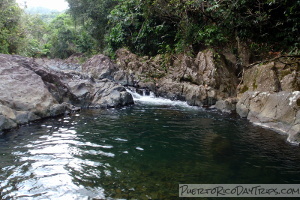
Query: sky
59, 5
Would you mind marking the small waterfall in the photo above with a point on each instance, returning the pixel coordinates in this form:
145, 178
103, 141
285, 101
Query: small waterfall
145, 97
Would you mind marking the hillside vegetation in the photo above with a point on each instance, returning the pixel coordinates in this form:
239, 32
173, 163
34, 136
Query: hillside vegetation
151, 27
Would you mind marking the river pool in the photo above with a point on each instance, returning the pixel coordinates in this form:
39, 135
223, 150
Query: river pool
140, 152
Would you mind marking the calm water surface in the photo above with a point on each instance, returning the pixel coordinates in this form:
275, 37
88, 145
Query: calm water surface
140, 152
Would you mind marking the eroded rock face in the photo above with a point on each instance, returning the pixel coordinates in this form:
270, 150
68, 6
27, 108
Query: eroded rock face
199, 81
227, 105
33, 89
269, 95
266, 94
282, 74
85, 90
23, 94
99, 67
279, 111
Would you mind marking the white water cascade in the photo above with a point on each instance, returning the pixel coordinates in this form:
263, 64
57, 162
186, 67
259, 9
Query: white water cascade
151, 99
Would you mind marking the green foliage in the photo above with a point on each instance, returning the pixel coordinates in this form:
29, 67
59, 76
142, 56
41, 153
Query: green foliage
66, 39
35, 36
211, 35
150, 27
177, 25
10, 32
130, 26
244, 89
92, 15
85, 43
61, 40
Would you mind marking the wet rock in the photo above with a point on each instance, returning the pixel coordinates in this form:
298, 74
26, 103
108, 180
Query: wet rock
24, 96
7, 117
278, 111
227, 105
199, 81
32, 89
82, 90
109, 94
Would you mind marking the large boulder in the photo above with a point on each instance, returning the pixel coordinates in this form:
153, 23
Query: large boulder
85, 89
32, 89
278, 111
23, 95
269, 95
201, 81
227, 105
94, 93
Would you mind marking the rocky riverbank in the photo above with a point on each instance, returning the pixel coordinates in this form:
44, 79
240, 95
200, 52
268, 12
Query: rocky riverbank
31, 89
269, 96
266, 93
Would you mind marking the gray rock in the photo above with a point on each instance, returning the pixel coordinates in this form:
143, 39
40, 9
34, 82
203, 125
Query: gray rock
227, 105
123, 78
242, 110
82, 90
261, 78
23, 90
7, 118
278, 111
290, 82
109, 94
29, 91
281, 74
99, 67
199, 81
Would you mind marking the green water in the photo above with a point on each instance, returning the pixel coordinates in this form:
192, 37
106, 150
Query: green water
140, 152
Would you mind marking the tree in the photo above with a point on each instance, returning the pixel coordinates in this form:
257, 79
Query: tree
63, 37
66, 39
92, 16
10, 33
131, 25
35, 32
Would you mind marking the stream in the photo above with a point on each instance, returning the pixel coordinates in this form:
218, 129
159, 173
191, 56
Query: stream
140, 152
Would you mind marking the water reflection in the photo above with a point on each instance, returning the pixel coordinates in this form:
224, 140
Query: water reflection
139, 152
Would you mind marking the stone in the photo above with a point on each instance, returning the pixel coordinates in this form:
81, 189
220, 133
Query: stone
200, 81
32, 89
227, 105
261, 78
210, 78
22, 89
290, 82
109, 94
123, 78
7, 117
281, 74
81, 89
278, 111
99, 67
